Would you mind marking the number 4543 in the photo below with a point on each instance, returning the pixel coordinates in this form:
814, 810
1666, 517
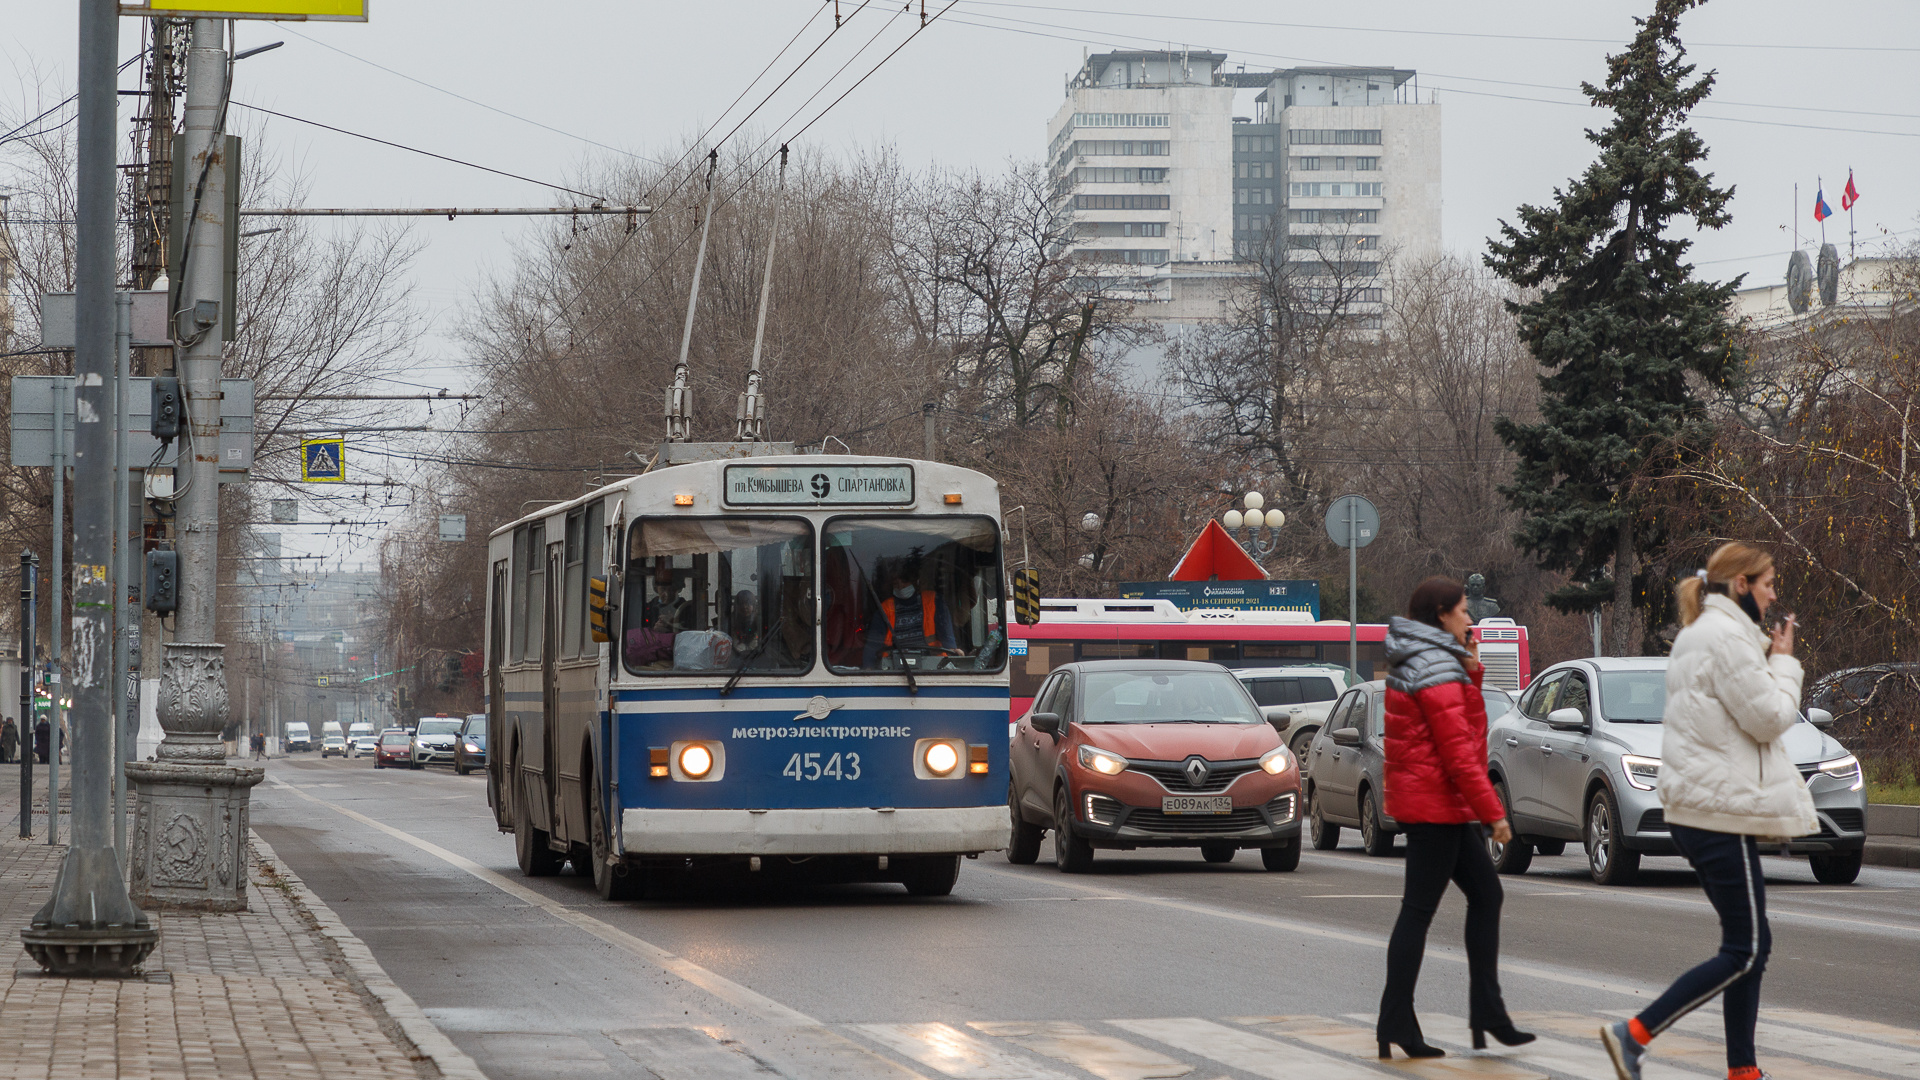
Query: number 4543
810, 767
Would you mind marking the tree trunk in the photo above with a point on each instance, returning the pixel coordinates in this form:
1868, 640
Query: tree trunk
1620, 641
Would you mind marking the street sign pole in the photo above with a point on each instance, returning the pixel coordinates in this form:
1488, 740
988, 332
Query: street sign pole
29, 575
1353, 523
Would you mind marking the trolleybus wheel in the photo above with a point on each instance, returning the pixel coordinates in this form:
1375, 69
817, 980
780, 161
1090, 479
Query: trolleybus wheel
618, 881
931, 875
530, 844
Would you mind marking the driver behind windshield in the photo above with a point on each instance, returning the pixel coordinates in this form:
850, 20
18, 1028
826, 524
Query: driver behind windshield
908, 618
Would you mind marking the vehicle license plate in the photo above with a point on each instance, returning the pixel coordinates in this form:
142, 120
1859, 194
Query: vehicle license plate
1196, 804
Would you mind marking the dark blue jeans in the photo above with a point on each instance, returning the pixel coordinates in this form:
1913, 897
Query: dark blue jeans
1729, 869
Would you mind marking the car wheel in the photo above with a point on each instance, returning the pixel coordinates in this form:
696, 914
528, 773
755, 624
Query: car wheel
1281, 858
530, 848
378, 764
1023, 848
1839, 869
460, 768
1302, 740
1608, 860
1072, 854
1550, 847
1509, 858
1374, 836
931, 875
1220, 853
617, 881
1324, 834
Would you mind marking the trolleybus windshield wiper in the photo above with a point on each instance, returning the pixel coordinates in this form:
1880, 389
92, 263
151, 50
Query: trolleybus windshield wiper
740, 669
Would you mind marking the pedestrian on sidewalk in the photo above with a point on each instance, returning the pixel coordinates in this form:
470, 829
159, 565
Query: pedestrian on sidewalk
42, 735
259, 745
9, 741
1733, 689
1437, 789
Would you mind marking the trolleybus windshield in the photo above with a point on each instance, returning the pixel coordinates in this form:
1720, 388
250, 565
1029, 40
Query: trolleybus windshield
920, 594
710, 594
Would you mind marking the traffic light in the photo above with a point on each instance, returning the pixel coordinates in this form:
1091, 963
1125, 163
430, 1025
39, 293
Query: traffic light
450, 674
166, 408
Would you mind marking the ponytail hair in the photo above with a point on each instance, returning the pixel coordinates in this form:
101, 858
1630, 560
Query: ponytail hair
1728, 561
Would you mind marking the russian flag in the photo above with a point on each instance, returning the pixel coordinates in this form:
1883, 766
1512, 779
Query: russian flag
1821, 211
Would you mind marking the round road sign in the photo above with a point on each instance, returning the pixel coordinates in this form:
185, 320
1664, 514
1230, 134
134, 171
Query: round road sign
1352, 521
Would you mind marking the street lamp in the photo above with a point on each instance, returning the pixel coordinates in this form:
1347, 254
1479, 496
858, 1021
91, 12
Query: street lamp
1249, 524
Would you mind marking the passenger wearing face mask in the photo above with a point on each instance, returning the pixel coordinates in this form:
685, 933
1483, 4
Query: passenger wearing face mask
908, 618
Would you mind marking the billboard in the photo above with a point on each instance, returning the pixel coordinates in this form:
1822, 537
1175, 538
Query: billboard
283, 10
1229, 595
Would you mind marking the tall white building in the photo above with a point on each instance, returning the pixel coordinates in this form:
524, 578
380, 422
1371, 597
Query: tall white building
1174, 196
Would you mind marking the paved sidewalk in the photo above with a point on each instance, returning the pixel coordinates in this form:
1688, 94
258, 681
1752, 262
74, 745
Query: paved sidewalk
279, 991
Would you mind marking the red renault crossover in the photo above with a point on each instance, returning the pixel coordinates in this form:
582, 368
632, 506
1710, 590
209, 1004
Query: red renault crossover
1151, 753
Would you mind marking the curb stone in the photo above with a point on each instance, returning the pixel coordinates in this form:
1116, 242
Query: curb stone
432, 1044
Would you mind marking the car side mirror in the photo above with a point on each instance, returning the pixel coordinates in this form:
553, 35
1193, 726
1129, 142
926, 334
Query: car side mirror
1567, 720
1346, 736
1819, 718
1045, 721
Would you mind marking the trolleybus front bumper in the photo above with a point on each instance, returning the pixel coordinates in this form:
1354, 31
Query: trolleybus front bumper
840, 831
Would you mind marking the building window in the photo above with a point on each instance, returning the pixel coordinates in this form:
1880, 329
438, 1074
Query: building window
1253, 170
1306, 164
1333, 137
1257, 196
1128, 256
1121, 147
1334, 217
1120, 202
1119, 176
1108, 119
1366, 164
1253, 144
1334, 191
1332, 242
1253, 223
1089, 229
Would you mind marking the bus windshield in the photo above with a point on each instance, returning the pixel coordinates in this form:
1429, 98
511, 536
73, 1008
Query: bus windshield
709, 594
919, 594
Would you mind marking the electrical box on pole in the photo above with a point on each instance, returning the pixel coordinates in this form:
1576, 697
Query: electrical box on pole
162, 592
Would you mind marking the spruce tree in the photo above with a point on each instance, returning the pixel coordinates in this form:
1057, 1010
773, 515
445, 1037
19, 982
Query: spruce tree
1620, 327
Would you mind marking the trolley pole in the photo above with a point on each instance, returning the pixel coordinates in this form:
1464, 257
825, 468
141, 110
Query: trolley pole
90, 927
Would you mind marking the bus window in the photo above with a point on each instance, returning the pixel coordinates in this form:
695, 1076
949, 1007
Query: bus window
1117, 650
912, 592
1271, 650
708, 594
573, 615
1219, 652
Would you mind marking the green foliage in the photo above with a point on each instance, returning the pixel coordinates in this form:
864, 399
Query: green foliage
1620, 325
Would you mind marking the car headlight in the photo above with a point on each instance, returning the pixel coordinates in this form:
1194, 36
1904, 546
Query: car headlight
1642, 772
696, 760
472, 749
1102, 761
1276, 760
1844, 768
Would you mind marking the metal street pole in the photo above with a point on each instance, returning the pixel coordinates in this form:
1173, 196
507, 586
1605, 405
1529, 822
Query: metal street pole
204, 184
89, 927
1353, 587
62, 439
29, 587
122, 566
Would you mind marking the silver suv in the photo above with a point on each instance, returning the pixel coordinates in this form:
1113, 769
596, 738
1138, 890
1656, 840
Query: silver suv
1295, 699
1579, 760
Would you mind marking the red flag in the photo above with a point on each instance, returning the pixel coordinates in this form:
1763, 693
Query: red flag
1849, 196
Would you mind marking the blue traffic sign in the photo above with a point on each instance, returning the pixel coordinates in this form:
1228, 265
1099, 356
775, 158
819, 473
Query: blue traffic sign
323, 460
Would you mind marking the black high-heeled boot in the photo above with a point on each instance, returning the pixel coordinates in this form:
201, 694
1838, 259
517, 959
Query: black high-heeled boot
1417, 1047
1506, 1033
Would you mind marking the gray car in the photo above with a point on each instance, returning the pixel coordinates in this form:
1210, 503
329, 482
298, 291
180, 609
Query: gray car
1344, 764
1579, 760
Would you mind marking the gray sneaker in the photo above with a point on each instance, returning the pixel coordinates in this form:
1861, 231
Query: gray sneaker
1625, 1050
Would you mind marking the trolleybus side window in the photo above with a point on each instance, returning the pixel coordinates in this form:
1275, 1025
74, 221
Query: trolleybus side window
573, 588
529, 564
912, 592
708, 594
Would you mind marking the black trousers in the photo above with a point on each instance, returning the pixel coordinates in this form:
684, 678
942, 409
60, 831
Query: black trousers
1729, 869
1437, 854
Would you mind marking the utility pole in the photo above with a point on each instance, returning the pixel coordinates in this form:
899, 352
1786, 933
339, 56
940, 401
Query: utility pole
191, 779
29, 598
90, 927
152, 191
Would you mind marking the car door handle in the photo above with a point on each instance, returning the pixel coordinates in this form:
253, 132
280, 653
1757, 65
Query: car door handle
1546, 749
1511, 741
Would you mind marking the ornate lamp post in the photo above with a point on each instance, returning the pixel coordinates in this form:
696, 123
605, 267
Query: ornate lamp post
1249, 524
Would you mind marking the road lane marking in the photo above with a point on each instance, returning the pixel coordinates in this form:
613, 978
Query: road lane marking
1707, 1054
734, 994
1896, 1061
1351, 896
954, 1052
1565, 1058
1102, 1055
1828, 1022
1359, 1042
1246, 1051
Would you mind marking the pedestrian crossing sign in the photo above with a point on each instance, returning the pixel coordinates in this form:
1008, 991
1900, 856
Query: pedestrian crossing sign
323, 460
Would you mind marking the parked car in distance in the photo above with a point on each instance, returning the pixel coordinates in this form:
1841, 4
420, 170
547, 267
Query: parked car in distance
470, 749
434, 738
299, 737
1126, 754
1346, 761
1295, 699
333, 744
1579, 760
395, 748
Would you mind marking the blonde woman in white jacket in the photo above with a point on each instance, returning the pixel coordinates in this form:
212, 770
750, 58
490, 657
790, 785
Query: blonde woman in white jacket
1732, 691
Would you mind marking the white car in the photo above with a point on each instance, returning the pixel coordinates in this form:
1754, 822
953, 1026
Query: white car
361, 745
1296, 698
333, 744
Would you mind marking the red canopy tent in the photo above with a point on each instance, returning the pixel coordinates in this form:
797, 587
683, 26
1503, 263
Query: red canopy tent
1215, 556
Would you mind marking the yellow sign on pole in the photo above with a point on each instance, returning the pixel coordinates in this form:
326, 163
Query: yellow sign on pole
283, 10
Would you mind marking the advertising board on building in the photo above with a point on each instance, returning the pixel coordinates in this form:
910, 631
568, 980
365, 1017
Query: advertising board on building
1229, 595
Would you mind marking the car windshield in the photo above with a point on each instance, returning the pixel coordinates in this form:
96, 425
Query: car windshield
1498, 702
1160, 697
394, 738
439, 727
1633, 697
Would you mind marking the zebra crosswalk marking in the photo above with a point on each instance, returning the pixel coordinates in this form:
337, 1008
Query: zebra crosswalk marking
681, 1053
1247, 1052
1708, 1055
1352, 1041
1895, 1061
1865, 1029
809, 1052
955, 1053
1560, 1058
1102, 1055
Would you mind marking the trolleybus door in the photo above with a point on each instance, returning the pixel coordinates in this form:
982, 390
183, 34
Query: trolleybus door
497, 689
550, 692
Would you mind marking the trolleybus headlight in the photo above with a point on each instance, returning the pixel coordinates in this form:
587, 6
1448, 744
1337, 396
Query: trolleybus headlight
1276, 760
941, 758
696, 760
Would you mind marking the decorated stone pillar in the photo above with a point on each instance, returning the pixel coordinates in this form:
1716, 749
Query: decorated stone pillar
190, 826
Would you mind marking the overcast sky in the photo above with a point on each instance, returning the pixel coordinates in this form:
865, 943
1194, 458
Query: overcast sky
1805, 91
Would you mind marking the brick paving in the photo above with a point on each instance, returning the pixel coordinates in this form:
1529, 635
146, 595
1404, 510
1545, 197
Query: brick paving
257, 994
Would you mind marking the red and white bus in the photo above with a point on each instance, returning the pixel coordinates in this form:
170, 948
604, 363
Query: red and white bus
1071, 630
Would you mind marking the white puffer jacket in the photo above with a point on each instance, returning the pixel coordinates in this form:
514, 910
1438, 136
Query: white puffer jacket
1722, 765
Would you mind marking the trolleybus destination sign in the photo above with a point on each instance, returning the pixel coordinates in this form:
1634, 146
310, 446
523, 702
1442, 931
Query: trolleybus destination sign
819, 485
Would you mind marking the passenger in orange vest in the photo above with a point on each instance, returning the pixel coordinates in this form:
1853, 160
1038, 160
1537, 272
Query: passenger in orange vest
908, 618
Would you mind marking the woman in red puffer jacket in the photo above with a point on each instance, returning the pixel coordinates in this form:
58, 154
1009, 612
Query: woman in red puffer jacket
1438, 792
